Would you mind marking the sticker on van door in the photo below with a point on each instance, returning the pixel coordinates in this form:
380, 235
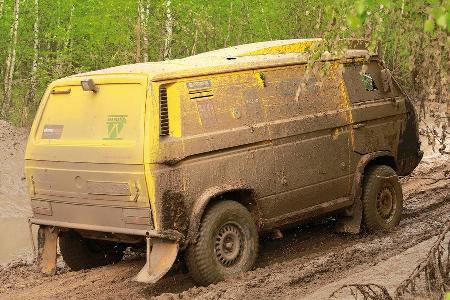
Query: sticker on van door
199, 85
52, 132
114, 125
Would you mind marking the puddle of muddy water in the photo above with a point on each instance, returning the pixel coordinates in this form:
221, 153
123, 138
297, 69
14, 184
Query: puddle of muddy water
15, 239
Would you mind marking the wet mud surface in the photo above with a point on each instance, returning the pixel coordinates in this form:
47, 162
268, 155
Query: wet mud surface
13, 199
14, 206
308, 258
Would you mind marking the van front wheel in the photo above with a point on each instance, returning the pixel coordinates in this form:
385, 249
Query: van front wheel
382, 199
227, 244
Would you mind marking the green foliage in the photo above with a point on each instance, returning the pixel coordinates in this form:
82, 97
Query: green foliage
78, 36
436, 10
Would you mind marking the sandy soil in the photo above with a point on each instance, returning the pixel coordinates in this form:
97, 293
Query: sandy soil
307, 263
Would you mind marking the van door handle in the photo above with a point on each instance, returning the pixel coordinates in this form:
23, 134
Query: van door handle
358, 125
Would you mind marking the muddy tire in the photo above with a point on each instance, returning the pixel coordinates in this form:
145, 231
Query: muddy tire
227, 244
382, 199
80, 253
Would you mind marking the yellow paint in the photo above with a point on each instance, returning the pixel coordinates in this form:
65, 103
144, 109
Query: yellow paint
86, 137
151, 147
174, 107
336, 132
349, 115
347, 105
87, 118
298, 47
151, 192
260, 79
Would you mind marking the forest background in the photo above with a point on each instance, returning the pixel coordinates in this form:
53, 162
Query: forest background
42, 40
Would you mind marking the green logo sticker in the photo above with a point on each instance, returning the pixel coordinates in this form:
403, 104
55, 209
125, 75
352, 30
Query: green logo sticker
115, 124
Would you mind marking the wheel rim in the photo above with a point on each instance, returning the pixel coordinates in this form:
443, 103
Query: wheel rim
229, 244
386, 204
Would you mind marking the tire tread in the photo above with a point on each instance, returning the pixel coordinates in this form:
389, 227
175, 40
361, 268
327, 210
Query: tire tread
197, 256
369, 216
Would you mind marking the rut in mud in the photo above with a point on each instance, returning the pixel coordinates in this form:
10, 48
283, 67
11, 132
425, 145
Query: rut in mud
307, 258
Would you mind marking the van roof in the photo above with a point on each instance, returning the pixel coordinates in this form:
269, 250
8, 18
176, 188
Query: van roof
237, 58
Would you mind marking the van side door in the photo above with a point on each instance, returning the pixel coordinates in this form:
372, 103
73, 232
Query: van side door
308, 122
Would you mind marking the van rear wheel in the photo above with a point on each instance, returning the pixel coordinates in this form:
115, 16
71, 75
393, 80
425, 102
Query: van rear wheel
227, 244
80, 253
382, 199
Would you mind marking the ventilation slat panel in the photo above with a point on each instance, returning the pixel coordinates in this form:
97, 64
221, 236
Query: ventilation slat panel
163, 112
204, 94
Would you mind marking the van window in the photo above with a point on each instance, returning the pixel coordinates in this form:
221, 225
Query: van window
368, 82
363, 82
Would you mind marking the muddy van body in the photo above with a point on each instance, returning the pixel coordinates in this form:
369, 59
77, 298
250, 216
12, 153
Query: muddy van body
201, 155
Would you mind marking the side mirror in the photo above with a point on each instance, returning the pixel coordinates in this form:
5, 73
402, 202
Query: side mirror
386, 78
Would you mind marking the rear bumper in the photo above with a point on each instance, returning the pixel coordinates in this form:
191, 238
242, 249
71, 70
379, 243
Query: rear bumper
169, 235
98, 217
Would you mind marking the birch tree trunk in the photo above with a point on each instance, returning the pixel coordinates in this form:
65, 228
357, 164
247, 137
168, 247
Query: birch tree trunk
29, 98
194, 44
11, 60
63, 46
2, 3
146, 17
169, 31
265, 21
67, 41
139, 31
227, 38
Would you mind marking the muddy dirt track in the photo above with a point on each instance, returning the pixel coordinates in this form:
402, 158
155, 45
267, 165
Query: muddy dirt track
308, 257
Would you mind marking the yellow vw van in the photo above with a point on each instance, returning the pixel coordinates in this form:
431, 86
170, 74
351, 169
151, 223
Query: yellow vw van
200, 156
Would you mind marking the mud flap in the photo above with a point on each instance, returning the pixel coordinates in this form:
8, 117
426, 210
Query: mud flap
47, 246
351, 224
161, 255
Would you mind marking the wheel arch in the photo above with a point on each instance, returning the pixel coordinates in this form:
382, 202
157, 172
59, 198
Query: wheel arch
365, 162
241, 194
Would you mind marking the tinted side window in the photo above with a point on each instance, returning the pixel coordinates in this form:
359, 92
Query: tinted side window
364, 82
